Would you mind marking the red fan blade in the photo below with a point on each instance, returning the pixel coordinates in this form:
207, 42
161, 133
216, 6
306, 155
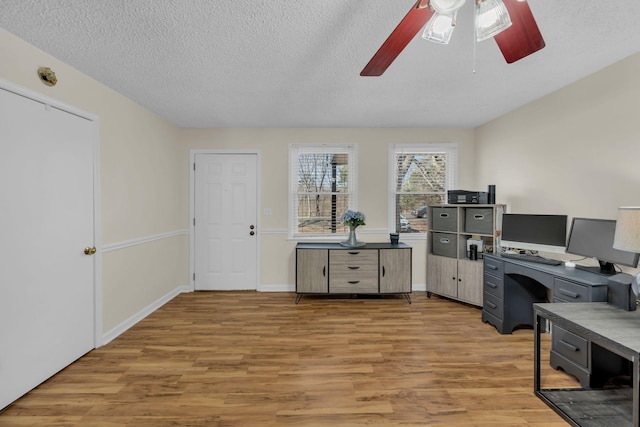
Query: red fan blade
399, 39
523, 37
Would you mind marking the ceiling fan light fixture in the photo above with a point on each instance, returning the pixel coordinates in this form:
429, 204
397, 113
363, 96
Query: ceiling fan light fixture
440, 27
491, 18
446, 6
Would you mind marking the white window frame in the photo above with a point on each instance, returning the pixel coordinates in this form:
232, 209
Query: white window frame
351, 150
449, 149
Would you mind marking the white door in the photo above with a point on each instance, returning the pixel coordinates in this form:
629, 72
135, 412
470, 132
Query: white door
225, 231
46, 221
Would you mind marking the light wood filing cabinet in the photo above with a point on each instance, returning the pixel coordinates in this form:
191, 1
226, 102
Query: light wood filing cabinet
376, 268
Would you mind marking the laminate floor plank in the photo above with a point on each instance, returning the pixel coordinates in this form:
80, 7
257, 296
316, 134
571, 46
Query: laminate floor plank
258, 359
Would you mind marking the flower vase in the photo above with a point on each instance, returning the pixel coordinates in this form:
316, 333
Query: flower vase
352, 241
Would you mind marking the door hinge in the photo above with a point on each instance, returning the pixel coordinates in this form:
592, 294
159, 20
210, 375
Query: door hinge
194, 166
194, 222
194, 277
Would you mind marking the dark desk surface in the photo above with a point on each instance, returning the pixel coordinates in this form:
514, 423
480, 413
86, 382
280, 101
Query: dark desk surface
618, 329
574, 274
331, 245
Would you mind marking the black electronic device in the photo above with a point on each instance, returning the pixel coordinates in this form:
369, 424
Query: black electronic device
465, 196
620, 292
593, 238
546, 233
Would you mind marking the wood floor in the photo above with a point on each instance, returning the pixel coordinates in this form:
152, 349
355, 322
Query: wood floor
258, 359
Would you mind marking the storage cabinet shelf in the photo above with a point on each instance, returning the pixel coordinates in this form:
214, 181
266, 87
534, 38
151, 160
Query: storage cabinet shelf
452, 228
376, 268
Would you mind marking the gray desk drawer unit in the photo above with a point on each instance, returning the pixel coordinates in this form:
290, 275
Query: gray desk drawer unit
376, 268
512, 287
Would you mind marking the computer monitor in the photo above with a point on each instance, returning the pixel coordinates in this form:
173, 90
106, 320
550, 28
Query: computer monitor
546, 233
593, 238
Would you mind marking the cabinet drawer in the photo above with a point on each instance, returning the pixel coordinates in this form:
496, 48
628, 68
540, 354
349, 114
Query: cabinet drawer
353, 271
444, 244
353, 258
569, 291
493, 266
444, 219
492, 305
570, 346
493, 285
353, 285
478, 220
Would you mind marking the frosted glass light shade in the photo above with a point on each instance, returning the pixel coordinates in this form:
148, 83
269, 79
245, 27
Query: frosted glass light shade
440, 27
627, 237
446, 6
492, 18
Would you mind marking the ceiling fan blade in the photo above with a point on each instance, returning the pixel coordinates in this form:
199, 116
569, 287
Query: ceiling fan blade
399, 39
523, 37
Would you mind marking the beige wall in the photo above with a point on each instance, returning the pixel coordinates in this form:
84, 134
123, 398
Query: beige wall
144, 183
572, 152
373, 151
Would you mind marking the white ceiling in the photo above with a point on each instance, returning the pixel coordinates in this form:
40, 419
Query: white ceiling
285, 63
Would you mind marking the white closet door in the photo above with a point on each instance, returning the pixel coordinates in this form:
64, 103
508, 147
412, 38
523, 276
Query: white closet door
46, 221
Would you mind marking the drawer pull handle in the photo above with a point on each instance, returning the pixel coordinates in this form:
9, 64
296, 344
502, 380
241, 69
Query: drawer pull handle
478, 217
569, 345
354, 282
444, 215
444, 240
324, 271
491, 305
492, 285
383, 271
354, 253
492, 267
353, 267
569, 293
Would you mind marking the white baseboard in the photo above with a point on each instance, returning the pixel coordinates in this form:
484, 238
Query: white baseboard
131, 321
276, 288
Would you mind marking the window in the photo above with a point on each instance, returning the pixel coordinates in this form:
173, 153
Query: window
322, 186
421, 175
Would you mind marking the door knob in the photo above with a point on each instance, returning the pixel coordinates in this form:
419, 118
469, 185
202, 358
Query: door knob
252, 227
252, 233
90, 251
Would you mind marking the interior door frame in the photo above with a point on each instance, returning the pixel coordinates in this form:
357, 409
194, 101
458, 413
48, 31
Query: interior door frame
97, 236
192, 209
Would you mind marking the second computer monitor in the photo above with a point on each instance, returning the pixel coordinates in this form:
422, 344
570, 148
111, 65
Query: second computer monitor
535, 232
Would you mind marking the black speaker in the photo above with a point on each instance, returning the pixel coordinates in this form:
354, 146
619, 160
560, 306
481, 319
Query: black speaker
491, 199
620, 292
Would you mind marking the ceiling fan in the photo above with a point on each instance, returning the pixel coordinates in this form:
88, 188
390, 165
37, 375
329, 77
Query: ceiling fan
511, 24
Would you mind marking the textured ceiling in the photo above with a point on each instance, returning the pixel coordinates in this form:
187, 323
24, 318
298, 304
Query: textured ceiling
282, 63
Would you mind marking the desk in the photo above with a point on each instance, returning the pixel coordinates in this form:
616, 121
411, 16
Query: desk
613, 329
510, 289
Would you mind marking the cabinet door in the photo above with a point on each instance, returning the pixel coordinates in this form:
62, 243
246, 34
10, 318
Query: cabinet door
311, 271
442, 275
395, 271
470, 281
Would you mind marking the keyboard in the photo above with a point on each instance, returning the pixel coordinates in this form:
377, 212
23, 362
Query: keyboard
532, 258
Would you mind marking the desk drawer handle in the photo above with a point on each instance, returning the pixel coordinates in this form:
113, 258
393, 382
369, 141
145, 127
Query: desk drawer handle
353, 267
478, 217
354, 282
569, 345
491, 305
492, 285
492, 267
444, 215
569, 293
444, 240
